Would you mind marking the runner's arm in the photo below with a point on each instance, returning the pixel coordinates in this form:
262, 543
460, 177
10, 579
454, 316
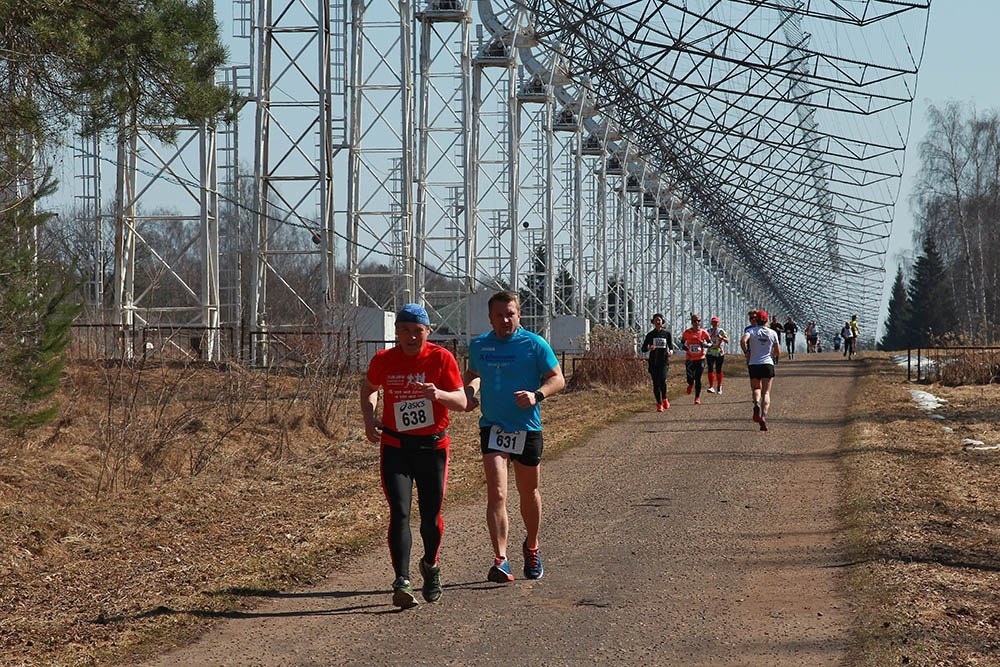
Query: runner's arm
552, 381
470, 381
369, 401
456, 399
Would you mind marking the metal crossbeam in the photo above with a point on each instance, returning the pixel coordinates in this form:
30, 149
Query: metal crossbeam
610, 159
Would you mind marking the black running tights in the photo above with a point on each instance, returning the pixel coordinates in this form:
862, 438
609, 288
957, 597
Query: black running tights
659, 376
400, 469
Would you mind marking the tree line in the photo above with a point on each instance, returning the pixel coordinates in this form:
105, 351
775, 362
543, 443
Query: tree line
953, 291
99, 68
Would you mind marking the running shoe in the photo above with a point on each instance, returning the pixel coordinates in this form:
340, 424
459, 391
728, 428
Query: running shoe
532, 562
756, 413
402, 594
690, 388
500, 572
432, 581
659, 407
763, 425
697, 401
666, 404
711, 390
719, 391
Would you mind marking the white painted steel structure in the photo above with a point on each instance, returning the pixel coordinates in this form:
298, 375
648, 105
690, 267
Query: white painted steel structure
608, 160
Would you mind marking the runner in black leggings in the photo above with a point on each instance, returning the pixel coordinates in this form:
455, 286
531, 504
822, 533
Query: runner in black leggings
401, 468
790, 329
659, 345
420, 383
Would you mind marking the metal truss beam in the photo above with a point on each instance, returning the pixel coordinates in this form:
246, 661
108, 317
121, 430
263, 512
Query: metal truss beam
611, 159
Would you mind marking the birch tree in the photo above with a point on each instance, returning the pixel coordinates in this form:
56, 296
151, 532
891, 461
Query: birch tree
958, 205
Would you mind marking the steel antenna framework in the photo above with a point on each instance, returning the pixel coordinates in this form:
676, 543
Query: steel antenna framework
666, 155
782, 122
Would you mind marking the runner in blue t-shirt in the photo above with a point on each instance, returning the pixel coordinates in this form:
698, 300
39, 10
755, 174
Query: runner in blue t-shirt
513, 370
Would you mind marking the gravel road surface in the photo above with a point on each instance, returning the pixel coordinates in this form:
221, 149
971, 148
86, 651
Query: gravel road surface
684, 538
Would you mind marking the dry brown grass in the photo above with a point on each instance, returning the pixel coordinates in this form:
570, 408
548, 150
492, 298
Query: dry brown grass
268, 483
198, 488
925, 514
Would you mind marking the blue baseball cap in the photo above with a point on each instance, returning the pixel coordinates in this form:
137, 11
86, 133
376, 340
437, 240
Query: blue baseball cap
413, 312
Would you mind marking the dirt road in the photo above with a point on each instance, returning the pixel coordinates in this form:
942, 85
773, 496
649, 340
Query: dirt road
685, 538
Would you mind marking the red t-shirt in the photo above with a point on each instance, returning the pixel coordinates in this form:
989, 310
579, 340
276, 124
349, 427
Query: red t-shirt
404, 408
696, 343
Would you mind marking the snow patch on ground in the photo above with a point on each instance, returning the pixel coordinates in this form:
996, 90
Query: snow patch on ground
978, 445
927, 402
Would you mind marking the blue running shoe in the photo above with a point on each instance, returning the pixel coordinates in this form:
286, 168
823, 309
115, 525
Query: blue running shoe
500, 572
532, 562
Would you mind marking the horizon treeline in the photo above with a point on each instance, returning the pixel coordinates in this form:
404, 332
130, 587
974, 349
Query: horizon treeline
953, 288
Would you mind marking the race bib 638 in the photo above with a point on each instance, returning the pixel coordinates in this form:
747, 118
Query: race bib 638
414, 414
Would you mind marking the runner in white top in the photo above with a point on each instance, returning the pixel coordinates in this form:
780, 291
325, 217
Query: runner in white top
761, 347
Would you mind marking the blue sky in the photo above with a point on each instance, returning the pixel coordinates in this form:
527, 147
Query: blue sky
962, 52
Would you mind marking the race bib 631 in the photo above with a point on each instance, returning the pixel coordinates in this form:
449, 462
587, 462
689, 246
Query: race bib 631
506, 441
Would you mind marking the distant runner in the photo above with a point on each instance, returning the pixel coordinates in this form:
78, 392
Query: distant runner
761, 347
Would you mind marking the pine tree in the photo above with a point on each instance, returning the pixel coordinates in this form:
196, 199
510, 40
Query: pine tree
108, 60
116, 65
35, 318
897, 323
931, 303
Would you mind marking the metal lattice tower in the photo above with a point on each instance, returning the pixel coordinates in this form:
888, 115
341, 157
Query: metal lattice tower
293, 246
443, 197
493, 241
381, 253
664, 155
166, 273
90, 214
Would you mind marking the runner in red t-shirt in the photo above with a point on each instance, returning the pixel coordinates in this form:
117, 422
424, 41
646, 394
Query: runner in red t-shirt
695, 342
420, 382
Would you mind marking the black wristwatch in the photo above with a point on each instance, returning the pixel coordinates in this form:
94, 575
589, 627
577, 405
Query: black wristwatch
539, 396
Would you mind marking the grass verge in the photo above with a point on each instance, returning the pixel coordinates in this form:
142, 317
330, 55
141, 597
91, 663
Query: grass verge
922, 513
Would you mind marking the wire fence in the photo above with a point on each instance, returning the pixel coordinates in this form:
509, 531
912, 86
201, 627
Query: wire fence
286, 349
954, 365
279, 348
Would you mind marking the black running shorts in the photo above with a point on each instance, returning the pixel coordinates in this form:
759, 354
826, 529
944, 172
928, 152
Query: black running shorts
760, 371
532, 454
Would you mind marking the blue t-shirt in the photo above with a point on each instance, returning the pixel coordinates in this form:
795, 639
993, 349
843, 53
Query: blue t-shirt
506, 365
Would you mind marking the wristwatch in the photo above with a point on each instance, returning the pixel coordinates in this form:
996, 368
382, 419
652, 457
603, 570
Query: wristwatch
539, 396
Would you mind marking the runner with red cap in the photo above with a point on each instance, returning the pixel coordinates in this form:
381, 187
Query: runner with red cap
761, 347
